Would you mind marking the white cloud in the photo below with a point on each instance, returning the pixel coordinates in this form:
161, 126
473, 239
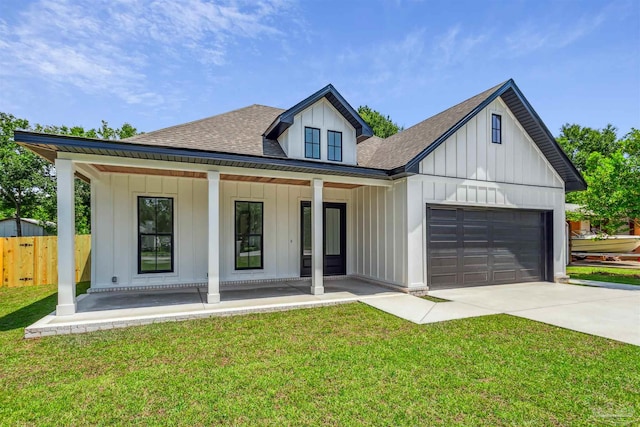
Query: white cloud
454, 47
416, 59
531, 37
109, 46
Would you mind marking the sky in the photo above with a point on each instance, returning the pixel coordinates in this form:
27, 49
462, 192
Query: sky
159, 63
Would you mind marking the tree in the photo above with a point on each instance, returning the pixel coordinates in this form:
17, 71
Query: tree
82, 189
382, 126
630, 144
611, 168
25, 178
579, 142
613, 193
27, 182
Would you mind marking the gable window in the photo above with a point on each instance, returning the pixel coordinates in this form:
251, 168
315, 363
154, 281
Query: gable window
248, 234
334, 146
311, 143
155, 235
496, 129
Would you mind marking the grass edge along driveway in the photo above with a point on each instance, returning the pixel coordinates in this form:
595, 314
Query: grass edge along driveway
629, 276
340, 365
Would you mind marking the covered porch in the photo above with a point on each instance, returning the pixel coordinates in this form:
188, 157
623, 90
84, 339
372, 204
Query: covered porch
203, 242
119, 309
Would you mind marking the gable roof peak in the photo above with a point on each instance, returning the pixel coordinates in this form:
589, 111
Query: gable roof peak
403, 151
285, 120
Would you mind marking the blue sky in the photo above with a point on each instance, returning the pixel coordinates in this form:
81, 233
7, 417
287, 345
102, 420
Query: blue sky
165, 62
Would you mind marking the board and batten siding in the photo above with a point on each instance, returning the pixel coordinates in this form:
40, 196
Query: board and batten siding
470, 154
469, 170
114, 219
281, 227
380, 233
321, 115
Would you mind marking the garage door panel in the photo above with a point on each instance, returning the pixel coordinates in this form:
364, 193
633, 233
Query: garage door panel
506, 259
476, 215
529, 275
504, 276
475, 260
445, 231
444, 261
479, 278
444, 280
443, 214
473, 247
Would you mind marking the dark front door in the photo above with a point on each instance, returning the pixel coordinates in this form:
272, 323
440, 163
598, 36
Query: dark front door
334, 242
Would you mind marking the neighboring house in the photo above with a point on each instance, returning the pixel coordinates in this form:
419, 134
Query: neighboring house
30, 227
471, 196
632, 227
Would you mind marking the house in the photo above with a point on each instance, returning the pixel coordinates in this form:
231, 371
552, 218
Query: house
583, 226
30, 227
471, 196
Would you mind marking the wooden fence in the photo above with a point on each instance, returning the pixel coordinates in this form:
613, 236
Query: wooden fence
29, 261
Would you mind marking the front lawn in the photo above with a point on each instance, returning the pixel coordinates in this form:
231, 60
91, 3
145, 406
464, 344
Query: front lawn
629, 276
340, 365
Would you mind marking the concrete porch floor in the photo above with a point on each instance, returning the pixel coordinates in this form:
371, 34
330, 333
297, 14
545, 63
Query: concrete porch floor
117, 309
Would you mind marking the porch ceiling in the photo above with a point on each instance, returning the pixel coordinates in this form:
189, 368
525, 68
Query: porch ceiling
223, 177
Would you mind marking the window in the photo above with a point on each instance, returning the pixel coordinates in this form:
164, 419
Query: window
248, 236
496, 129
334, 146
311, 143
155, 235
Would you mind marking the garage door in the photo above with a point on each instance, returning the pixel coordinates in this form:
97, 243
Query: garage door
475, 247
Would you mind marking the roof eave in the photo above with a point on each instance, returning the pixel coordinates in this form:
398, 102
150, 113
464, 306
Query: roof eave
131, 150
579, 184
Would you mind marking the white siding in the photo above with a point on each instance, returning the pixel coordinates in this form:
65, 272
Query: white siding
115, 234
380, 233
469, 170
324, 116
469, 153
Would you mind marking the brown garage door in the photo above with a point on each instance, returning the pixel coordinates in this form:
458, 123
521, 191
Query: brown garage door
475, 247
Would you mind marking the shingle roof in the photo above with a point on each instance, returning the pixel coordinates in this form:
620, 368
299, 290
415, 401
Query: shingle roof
238, 131
367, 148
237, 137
401, 148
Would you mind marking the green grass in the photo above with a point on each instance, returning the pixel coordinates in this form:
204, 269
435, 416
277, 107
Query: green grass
340, 365
434, 299
605, 274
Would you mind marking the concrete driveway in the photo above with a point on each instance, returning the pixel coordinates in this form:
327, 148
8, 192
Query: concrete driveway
609, 313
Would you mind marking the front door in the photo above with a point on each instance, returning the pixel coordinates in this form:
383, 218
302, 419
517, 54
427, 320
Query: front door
334, 242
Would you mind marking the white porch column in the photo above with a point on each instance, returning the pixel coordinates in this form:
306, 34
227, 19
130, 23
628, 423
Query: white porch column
317, 259
213, 293
66, 238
